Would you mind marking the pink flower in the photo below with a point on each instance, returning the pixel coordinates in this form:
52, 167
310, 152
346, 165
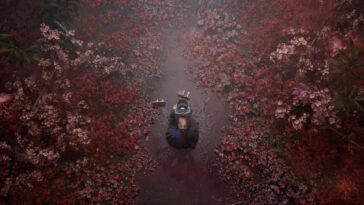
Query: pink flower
4, 97
336, 45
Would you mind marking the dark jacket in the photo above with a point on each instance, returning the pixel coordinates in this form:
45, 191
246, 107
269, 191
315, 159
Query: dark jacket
182, 138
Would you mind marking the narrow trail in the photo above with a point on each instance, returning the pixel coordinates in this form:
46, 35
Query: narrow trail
182, 176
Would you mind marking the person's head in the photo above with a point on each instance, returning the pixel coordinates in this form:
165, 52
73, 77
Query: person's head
182, 104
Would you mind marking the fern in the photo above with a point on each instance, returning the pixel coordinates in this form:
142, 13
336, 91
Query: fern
344, 68
17, 50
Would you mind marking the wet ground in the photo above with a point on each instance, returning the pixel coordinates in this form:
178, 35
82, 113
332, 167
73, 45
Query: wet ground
182, 176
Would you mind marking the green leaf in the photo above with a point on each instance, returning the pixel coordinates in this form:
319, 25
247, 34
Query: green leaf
3, 35
359, 98
346, 109
36, 57
333, 61
60, 25
352, 48
361, 53
3, 44
358, 106
24, 55
343, 54
10, 56
12, 44
18, 56
358, 65
352, 93
4, 50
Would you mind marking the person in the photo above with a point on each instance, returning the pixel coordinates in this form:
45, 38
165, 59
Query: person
183, 129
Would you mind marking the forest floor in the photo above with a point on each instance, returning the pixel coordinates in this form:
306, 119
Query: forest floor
276, 88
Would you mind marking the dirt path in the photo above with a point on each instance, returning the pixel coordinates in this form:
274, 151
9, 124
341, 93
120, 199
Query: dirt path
182, 175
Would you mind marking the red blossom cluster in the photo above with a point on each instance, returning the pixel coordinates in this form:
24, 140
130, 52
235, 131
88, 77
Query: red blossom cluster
272, 59
71, 124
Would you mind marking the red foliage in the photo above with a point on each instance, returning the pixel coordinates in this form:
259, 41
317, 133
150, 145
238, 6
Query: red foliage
71, 125
272, 59
83, 107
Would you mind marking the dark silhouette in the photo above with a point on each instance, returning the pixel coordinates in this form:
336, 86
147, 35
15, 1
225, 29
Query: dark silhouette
183, 129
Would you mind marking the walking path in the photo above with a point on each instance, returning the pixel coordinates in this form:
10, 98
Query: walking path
182, 176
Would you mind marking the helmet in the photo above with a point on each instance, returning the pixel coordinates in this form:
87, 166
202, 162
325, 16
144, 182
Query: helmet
182, 103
